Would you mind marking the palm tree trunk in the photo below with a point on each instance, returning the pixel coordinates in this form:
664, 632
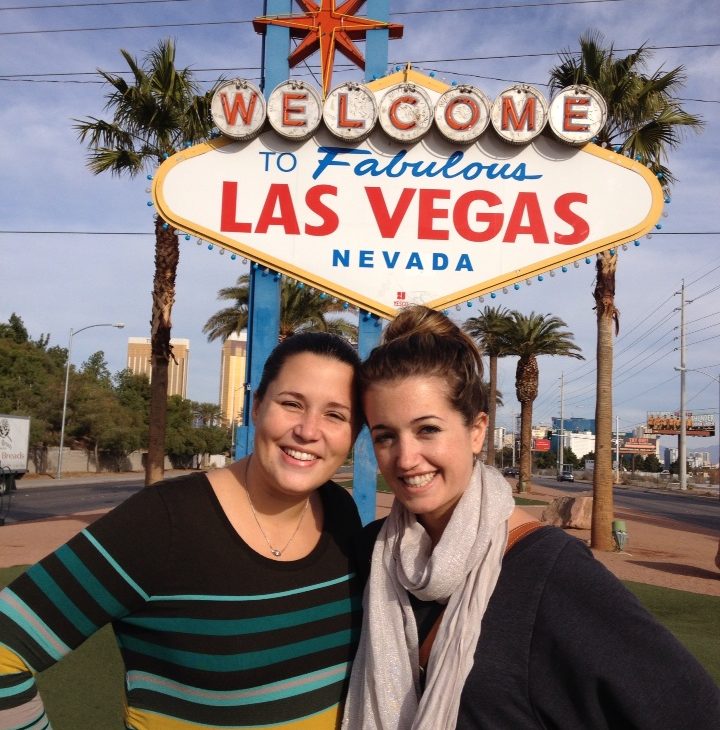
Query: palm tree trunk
523, 484
607, 324
492, 409
167, 255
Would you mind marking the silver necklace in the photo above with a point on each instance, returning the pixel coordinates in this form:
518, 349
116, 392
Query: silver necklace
273, 551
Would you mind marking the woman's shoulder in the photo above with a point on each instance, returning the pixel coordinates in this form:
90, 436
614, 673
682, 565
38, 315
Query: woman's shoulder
340, 506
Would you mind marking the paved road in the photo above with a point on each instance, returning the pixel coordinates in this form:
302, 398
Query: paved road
67, 498
691, 509
63, 499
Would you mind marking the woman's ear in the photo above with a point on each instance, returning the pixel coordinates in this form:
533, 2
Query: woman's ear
478, 431
255, 406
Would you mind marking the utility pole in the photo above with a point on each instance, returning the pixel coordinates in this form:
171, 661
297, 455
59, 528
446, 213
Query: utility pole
561, 440
682, 436
617, 449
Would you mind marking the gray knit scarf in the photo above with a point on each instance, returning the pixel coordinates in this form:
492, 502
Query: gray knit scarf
462, 572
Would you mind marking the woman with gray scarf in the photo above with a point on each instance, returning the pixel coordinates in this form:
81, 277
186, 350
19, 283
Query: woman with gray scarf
464, 625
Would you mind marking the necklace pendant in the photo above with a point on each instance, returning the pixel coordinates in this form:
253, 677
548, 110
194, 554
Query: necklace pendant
275, 552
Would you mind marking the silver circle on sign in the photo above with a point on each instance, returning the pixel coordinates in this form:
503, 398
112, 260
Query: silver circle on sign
519, 114
462, 114
238, 109
294, 110
350, 111
406, 112
577, 114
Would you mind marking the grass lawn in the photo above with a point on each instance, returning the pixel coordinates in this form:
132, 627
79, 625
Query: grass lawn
85, 690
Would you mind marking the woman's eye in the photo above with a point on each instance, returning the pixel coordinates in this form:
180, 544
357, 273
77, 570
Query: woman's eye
337, 416
429, 430
381, 438
291, 404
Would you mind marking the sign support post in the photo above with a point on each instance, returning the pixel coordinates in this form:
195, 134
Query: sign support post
369, 329
264, 294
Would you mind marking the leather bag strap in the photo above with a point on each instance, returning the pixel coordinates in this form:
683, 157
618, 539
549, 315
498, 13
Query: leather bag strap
514, 536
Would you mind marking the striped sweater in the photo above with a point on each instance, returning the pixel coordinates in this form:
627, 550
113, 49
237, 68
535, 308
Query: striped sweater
211, 633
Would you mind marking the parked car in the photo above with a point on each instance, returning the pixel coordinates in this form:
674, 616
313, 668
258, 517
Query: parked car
566, 476
511, 471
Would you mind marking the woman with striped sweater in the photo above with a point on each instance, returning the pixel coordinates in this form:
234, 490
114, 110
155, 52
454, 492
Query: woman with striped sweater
232, 594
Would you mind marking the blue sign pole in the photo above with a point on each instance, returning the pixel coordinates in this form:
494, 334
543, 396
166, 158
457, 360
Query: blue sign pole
369, 329
264, 295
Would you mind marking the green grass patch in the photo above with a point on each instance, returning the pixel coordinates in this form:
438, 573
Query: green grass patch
525, 501
84, 691
692, 617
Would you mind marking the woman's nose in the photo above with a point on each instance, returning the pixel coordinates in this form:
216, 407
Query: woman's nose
308, 427
406, 455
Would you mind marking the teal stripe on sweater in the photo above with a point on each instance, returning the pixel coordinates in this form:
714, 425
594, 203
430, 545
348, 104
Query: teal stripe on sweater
89, 582
118, 568
17, 689
260, 596
233, 627
272, 692
46, 583
29, 622
237, 662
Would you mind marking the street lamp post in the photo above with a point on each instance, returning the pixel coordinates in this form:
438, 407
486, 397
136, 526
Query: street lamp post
232, 419
119, 325
716, 378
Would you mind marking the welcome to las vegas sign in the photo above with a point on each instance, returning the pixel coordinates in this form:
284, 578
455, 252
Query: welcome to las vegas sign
407, 190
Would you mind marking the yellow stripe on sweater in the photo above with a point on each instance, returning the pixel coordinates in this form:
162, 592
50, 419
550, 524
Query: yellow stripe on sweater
145, 720
10, 662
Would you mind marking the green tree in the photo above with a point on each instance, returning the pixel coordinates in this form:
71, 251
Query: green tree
652, 464
97, 415
486, 328
645, 120
14, 330
154, 116
208, 414
31, 380
529, 337
185, 439
302, 309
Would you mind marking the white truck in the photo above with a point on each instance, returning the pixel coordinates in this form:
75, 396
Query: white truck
14, 444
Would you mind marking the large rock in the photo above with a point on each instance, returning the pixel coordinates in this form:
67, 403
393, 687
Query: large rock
574, 512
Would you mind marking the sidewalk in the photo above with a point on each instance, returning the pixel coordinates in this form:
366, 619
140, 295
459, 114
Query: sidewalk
659, 552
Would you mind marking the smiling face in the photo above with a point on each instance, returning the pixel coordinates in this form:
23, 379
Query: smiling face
423, 446
303, 425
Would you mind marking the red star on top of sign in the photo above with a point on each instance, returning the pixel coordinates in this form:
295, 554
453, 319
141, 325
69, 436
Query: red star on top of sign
328, 28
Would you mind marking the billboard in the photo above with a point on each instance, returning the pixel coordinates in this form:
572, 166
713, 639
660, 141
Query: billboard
667, 423
640, 445
541, 445
405, 190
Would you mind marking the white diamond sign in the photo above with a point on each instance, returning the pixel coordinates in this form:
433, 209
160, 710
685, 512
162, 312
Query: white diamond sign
382, 223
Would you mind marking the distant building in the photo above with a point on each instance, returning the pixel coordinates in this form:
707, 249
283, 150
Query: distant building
579, 443
699, 459
499, 439
575, 425
233, 363
669, 456
139, 362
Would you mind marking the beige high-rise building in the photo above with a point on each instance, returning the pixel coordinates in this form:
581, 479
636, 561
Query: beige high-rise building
233, 362
138, 361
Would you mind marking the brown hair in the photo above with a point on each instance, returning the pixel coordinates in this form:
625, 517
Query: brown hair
423, 342
314, 343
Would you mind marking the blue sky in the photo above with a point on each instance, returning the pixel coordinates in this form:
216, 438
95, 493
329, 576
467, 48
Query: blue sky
56, 281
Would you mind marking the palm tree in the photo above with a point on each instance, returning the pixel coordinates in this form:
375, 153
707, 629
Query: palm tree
486, 329
528, 337
155, 115
644, 121
302, 309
